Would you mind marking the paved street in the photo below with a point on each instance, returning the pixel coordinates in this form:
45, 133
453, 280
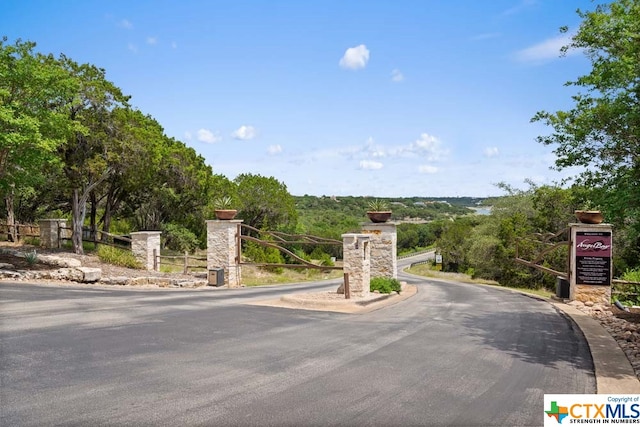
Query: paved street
454, 354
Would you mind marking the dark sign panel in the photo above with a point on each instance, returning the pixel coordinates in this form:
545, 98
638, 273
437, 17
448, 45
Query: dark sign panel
593, 258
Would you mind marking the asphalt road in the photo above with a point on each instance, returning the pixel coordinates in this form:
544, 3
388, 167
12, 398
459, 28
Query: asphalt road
454, 354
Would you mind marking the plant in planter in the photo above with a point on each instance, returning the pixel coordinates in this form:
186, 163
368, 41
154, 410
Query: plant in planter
224, 208
378, 211
589, 214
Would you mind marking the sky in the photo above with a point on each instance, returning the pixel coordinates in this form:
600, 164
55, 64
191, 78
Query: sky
383, 98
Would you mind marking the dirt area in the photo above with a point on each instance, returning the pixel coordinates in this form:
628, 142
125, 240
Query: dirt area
632, 316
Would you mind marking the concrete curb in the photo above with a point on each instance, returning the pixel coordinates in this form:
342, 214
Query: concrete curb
348, 306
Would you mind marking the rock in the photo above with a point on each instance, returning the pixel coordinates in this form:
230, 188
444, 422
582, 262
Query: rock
59, 261
589, 303
90, 274
340, 289
6, 266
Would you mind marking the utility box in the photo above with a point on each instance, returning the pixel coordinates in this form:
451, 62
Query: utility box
215, 277
562, 288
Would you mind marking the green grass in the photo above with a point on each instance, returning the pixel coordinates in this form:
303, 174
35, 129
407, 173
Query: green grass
119, 257
426, 271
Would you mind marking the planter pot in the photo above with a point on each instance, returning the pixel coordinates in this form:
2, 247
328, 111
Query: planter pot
226, 214
589, 217
379, 216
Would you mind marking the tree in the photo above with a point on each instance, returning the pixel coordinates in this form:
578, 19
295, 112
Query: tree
32, 123
601, 133
265, 202
85, 154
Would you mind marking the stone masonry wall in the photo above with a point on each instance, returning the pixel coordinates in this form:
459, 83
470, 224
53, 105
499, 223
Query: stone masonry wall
384, 238
222, 250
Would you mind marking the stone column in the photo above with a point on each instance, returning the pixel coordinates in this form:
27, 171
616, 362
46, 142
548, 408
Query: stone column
384, 250
590, 270
223, 251
50, 233
143, 244
357, 253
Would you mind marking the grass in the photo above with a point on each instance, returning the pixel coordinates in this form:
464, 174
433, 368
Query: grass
119, 257
256, 276
426, 271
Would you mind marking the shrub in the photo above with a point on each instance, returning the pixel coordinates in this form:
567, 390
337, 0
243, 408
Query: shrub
115, 256
31, 257
179, 238
385, 285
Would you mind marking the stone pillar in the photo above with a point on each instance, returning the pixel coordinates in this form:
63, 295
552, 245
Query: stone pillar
223, 251
50, 232
357, 254
143, 245
384, 250
590, 260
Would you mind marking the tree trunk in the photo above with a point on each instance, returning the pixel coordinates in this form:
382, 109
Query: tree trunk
12, 234
79, 210
93, 215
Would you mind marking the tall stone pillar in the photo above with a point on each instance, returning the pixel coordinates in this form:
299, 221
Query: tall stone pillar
591, 263
384, 250
50, 232
357, 258
145, 245
223, 250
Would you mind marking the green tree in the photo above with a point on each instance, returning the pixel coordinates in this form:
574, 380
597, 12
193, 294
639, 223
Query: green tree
265, 203
32, 123
601, 133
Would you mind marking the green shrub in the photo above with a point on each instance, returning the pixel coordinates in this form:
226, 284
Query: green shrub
119, 257
385, 285
30, 240
179, 238
31, 257
632, 275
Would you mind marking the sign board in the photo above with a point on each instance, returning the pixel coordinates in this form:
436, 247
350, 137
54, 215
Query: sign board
438, 259
593, 258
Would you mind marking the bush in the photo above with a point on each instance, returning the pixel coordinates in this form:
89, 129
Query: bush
385, 285
179, 238
115, 256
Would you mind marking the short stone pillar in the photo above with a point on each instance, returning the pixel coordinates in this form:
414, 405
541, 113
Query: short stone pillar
384, 250
591, 263
145, 246
51, 233
223, 250
356, 250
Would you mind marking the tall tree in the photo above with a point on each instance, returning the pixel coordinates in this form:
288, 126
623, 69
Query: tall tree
85, 155
32, 123
601, 133
265, 202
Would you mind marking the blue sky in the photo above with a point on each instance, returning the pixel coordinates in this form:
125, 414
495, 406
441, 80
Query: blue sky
366, 98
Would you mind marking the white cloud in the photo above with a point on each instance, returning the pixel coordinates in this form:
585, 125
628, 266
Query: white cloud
355, 57
274, 149
152, 40
174, 45
205, 135
546, 50
396, 75
427, 169
429, 147
125, 23
370, 165
244, 133
132, 47
491, 152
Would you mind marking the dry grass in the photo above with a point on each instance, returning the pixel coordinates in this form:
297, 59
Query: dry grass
256, 276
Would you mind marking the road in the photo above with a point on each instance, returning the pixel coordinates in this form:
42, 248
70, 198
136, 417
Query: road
454, 354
